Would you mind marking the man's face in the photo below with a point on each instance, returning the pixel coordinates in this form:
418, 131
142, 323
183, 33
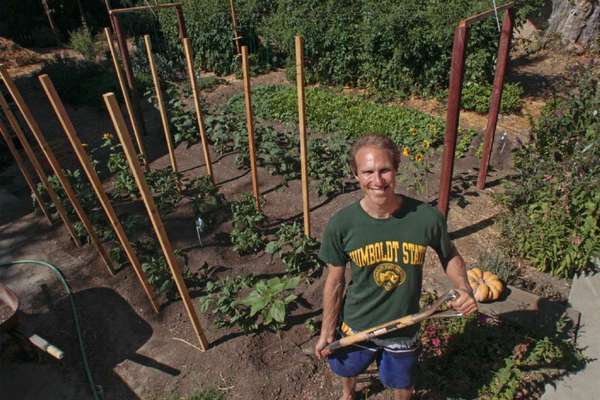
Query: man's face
376, 174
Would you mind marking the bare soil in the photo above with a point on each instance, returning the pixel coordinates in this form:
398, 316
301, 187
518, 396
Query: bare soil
137, 354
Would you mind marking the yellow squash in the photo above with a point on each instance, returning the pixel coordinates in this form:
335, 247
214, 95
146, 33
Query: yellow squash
486, 286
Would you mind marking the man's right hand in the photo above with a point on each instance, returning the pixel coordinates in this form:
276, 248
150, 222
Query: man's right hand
321, 349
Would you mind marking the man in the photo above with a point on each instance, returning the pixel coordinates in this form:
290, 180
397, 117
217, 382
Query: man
384, 237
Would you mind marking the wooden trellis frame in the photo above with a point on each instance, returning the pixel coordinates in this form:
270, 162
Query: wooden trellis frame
250, 125
299, 42
234, 28
88, 168
165, 243
54, 164
454, 93
21, 165
62, 213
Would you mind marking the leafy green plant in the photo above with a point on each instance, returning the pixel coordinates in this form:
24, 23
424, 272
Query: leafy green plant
221, 299
246, 235
298, 252
207, 202
269, 301
553, 206
124, 185
328, 164
463, 145
157, 270
350, 115
164, 184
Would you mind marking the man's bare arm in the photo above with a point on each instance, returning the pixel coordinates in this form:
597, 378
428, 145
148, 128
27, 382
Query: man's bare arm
457, 273
333, 294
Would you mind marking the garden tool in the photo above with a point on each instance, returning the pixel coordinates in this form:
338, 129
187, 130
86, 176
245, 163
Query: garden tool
433, 311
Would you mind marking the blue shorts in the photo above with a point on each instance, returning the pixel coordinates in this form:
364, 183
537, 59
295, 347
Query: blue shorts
396, 368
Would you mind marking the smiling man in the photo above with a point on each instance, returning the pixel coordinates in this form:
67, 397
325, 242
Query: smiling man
383, 237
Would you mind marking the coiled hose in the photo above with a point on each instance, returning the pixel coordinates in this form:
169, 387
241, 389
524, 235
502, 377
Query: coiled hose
96, 391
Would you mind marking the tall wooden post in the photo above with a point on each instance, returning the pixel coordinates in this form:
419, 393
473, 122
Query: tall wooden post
54, 164
62, 213
234, 26
21, 165
88, 168
137, 131
456, 77
496, 99
250, 125
189, 60
161, 233
162, 108
302, 129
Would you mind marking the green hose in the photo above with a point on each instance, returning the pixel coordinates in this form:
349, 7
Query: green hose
96, 391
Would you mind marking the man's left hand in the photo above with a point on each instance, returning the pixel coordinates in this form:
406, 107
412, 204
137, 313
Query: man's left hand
465, 303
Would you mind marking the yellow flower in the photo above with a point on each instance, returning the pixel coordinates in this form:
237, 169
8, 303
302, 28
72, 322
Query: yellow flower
406, 152
419, 157
413, 131
426, 144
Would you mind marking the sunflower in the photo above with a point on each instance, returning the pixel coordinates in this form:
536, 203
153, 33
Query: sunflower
406, 152
419, 157
426, 144
413, 131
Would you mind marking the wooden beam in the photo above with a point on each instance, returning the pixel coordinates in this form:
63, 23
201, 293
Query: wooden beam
15, 153
161, 233
62, 213
250, 125
54, 164
137, 132
302, 128
189, 59
142, 8
162, 108
88, 168
234, 27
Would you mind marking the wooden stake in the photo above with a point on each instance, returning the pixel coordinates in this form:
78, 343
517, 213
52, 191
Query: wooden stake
250, 125
302, 129
189, 59
162, 108
234, 27
58, 171
125, 92
92, 176
165, 244
12, 120
15, 153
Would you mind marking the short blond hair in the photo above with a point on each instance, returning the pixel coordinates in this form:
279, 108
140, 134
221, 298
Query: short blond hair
374, 140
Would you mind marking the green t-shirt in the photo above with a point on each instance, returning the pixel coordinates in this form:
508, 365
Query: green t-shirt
386, 257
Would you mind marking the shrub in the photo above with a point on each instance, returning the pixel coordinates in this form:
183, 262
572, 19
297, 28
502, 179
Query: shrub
246, 235
553, 201
297, 251
82, 41
476, 97
81, 82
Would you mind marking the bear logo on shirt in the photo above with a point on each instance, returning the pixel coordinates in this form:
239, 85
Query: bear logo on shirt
389, 276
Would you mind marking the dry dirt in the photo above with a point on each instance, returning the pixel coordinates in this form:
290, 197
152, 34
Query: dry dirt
136, 354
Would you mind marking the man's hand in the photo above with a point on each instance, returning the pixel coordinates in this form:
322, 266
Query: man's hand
465, 303
321, 349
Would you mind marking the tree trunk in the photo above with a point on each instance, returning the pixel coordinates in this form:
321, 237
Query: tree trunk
576, 21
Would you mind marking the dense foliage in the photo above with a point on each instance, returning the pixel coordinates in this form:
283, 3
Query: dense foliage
553, 198
389, 44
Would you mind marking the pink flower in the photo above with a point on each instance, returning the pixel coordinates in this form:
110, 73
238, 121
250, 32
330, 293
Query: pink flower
436, 342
